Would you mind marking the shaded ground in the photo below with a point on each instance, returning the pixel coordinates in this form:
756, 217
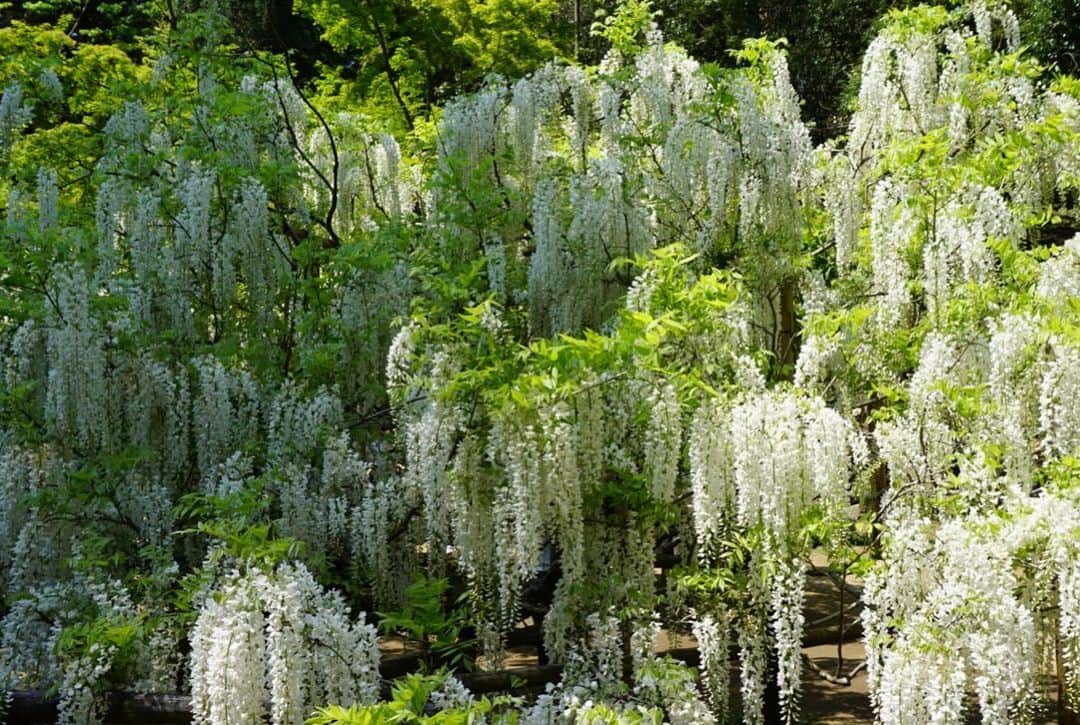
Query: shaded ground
825, 702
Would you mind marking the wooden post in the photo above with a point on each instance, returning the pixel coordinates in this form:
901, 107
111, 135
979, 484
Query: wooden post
1068, 702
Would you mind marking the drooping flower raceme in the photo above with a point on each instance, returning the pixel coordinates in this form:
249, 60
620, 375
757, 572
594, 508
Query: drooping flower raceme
760, 464
278, 637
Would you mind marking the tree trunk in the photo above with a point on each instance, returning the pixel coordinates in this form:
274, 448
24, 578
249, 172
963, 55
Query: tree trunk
786, 353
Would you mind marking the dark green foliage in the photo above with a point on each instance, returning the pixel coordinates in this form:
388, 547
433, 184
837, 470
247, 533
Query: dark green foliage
825, 38
1051, 29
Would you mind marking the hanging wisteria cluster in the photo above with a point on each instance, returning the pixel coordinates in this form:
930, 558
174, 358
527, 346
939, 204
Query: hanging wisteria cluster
265, 366
171, 357
646, 167
760, 463
973, 590
278, 638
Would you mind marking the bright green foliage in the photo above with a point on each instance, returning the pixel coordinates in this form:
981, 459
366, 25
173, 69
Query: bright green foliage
409, 705
72, 90
412, 54
126, 23
229, 522
625, 30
